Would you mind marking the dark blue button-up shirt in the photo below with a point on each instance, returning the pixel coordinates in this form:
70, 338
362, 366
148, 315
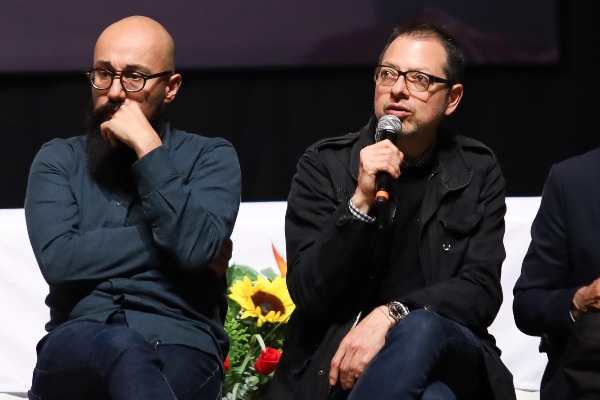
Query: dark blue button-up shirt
146, 253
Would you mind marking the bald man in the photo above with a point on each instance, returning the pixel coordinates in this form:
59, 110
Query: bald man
130, 225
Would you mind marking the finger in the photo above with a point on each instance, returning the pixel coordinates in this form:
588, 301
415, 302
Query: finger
222, 259
220, 271
114, 142
335, 365
227, 249
218, 268
347, 370
104, 131
350, 382
222, 263
362, 365
347, 380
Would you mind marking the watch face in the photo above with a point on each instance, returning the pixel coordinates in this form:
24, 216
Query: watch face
397, 310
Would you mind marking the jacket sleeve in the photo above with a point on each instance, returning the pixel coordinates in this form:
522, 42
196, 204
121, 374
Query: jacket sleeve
67, 256
329, 252
542, 294
467, 289
191, 216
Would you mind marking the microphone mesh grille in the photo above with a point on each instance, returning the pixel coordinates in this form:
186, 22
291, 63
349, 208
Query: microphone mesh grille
388, 123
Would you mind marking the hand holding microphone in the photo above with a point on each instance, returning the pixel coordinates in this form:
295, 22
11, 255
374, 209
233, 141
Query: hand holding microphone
379, 166
388, 127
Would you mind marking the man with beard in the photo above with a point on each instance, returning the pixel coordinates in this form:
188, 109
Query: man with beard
396, 305
130, 225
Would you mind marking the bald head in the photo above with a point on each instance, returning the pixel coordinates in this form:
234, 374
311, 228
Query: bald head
143, 38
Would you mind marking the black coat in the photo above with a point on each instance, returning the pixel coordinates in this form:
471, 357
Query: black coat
563, 256
333, 258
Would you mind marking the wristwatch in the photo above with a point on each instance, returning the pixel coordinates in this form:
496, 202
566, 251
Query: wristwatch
397, 310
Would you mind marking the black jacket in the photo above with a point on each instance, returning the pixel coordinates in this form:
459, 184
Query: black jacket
563, 256
333, 258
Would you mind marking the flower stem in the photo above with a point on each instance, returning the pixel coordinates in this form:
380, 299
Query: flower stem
248, 354
276, 326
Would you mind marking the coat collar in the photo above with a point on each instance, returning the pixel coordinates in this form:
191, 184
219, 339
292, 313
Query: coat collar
166, 137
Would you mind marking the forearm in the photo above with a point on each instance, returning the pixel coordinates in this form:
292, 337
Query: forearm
74, 258
190, 217
543, 311
543, 294
337, 266
464, 300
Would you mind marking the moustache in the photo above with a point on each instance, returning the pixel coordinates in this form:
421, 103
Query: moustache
102, 113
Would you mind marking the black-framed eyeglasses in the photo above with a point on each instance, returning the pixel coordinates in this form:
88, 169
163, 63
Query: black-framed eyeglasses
132, 81
415, 80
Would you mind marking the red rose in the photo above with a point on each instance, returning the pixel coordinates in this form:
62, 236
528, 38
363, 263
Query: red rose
226, 364
267, 361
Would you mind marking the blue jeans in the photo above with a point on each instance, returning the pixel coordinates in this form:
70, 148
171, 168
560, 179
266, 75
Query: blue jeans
425, 356
92, 360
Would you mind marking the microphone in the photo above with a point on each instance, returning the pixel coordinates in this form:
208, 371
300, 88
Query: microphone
388, 127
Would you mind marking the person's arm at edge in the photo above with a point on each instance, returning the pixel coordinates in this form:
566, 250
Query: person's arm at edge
542, 304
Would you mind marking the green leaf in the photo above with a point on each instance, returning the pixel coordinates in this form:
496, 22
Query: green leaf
269, 273
238, 272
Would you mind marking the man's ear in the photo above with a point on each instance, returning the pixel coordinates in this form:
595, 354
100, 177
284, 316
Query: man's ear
172, 88
454, 97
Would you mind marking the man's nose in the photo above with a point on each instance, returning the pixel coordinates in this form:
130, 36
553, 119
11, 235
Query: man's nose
399, 87
116, 90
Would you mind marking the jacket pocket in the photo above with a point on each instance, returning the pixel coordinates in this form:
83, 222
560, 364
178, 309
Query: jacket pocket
461, 218
457, 227
299, 368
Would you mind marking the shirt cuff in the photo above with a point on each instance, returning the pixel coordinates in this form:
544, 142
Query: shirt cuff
357, 214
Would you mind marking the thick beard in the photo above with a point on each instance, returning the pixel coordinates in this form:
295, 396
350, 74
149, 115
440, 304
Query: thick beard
111, 166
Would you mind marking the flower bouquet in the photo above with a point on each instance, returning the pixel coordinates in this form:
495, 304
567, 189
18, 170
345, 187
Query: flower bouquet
259, 307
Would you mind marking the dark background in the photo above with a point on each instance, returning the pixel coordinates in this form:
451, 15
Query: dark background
531, 114
59, 35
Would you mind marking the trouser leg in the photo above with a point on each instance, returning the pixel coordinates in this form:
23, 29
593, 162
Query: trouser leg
91, 360
438, 391
191, 374
422, 349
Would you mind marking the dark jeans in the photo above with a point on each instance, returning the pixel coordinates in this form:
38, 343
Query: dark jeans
92, 361
426, 356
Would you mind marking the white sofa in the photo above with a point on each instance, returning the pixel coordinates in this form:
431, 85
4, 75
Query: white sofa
259, 226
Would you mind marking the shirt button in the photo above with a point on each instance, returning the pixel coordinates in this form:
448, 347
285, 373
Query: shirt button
321, 372
154, 224
119, 203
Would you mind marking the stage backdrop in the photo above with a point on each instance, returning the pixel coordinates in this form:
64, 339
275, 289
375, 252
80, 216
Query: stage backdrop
259, 227
41, 35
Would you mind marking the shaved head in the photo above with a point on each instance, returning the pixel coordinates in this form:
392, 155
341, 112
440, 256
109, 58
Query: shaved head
141, 35
140, 46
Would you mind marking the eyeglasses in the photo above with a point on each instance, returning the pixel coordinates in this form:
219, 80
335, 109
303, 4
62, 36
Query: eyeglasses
132, 81
415, 80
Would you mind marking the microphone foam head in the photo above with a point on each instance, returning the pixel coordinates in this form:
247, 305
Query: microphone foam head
387, 126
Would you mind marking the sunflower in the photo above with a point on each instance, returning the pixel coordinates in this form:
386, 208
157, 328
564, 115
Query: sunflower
267, 301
